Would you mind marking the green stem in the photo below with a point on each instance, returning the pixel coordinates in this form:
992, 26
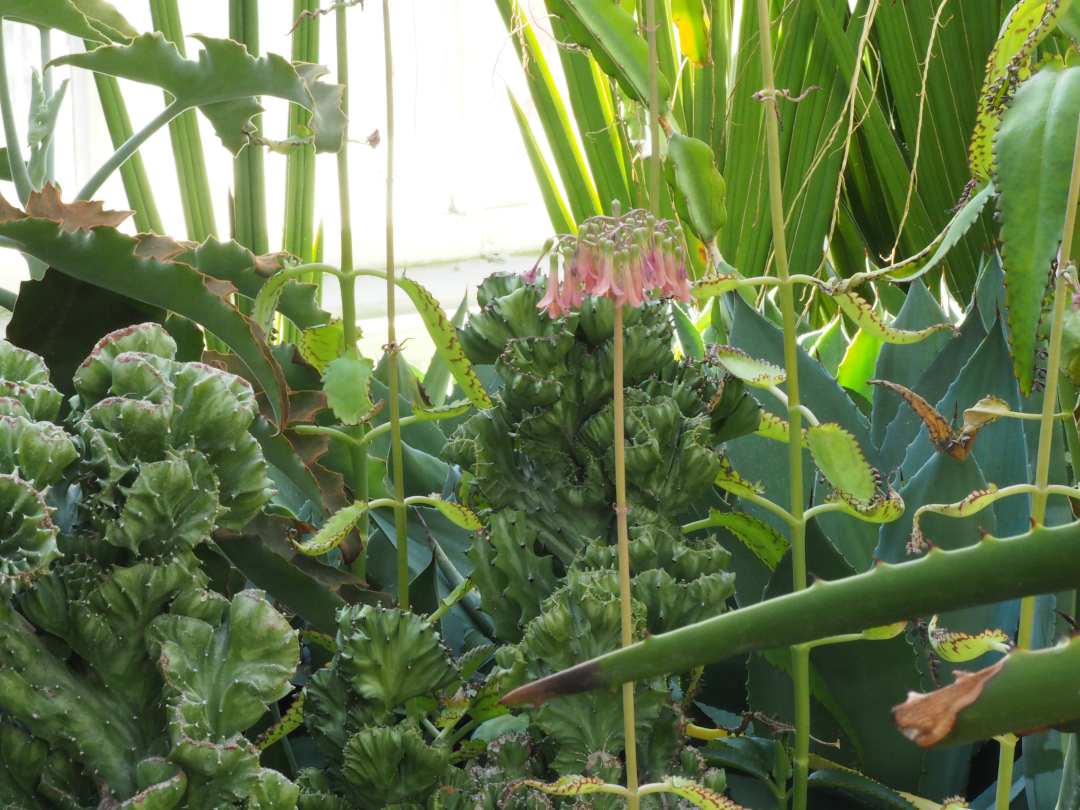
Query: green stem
392, 348
1006, 754
19, 173
249, 179
1067, 394
800, 656
130, 147
654, 124
625, 602
45, 39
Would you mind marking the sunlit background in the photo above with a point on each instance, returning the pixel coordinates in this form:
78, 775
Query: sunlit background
466, 200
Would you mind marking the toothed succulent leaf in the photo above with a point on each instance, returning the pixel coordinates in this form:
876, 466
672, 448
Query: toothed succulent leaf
391, 764
27, 535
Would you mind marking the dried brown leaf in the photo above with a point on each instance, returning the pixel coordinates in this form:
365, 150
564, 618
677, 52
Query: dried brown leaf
73, 216
928, 719
957, 443
162, 248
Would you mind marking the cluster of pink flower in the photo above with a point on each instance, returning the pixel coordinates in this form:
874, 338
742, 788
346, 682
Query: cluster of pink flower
620, 257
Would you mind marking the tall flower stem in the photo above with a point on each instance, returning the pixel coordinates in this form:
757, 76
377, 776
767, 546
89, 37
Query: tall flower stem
1046, 435
800, 655
392, 347
347, 279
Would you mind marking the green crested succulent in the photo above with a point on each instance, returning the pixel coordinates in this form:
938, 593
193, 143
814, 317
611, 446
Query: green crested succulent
125, 681
541, 462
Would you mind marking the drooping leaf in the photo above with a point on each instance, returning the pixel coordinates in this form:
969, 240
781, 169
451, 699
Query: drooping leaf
767, 543
345, 382
321, 344
569, 785
699, 183
611, 35
334, 531
224, 83
1033, 155
838, 457
957, 443
755, 372
959, 647
95, 20
562, 221
869, 321
446, 342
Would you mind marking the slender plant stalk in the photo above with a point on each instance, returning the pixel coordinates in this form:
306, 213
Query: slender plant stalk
249, 180
299, 237
392, 347
140, 194
800, 654
187, 143
19, 173
45, 39
129, 148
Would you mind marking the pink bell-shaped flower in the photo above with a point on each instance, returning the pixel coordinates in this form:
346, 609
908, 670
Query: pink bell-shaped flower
551, 303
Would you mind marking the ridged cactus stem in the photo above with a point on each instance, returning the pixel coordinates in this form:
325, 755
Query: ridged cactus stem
800, 656
54, 704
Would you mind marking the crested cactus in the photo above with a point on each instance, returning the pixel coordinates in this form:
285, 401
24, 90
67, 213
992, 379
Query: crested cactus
124, 680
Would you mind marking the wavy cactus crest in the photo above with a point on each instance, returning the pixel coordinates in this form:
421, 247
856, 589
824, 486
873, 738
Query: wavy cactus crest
124, 680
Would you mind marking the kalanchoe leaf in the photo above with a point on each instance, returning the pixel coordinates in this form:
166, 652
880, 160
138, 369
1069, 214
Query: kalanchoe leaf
839, 458
957, 647
346, 383
755, 372
321, 344
27, 535
390, 656
767, 543
570, 785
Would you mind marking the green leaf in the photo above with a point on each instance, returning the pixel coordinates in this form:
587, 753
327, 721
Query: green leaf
839, 459
862, 787
390, 765
103, 256
1033, 156
457, 514
611, 34
569, 785
224, 83
321, 344
689, 18
755, 372
689, 337
446, 341
167, 786
699, 183
334, 531
561, 219
761, 538
345, 382
859, 362
874, 326
549, 104
85, 19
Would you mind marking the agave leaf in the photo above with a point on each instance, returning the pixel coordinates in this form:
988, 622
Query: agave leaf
838, 457
224, 83
853, 783
611, 35
1033, 153
740, 364
562, 221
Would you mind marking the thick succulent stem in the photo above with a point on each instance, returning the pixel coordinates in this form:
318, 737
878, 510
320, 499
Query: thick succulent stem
800, 656
393, 349
1042, 561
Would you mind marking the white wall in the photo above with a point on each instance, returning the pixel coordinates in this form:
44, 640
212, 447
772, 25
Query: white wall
464, 186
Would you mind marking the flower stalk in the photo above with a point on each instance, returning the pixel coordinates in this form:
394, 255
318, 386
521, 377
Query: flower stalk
800, 654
